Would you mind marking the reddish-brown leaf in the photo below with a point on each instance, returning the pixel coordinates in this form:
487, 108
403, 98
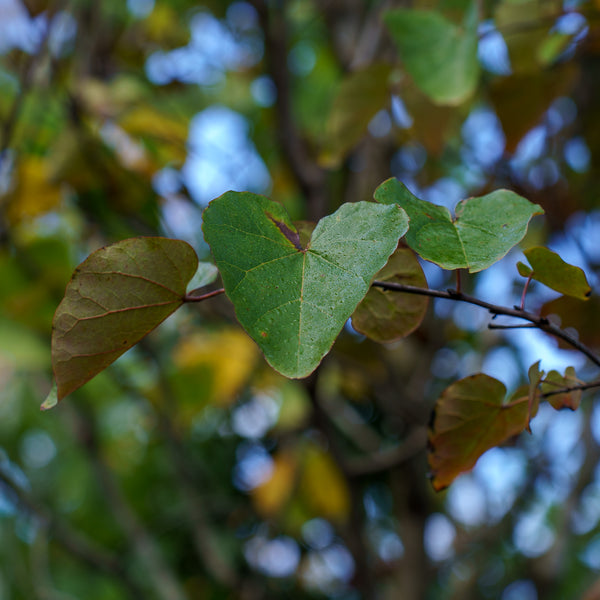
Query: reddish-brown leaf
115, 297
385, 316
470, 417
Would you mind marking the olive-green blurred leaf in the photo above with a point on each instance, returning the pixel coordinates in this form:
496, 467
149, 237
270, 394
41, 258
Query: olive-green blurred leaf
525, 25
470, 417
440, 56
583, 317
549, 268
518, 111
21, 348
386, 316
360, 97
115, 297
535, 376
294, 301
205, 274
484, 229
554, 381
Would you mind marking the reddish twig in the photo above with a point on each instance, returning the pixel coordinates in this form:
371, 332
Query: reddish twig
190, 297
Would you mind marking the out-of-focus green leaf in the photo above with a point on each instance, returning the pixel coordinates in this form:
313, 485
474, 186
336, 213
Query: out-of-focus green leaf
432, 125
484, 229
295, 407
525, 25
549, 268
115, 297
205, 275
440, 56
552, 47
470, 417
294, 301
360, 97
584, 317
21, 347
385, 316
518, 111
554, 381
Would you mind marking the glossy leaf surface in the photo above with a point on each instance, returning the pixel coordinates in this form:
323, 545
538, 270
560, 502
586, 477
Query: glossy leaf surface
294, 301
549, 268
386, 316
115, 297
470, 417
440, 56
484, 229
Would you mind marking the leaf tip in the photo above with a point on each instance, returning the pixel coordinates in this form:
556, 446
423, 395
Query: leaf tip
51, 399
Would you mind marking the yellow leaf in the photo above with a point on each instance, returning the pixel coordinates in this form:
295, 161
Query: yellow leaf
146, 122
271, 495
229, 354
164, 26
323, 486
34, 194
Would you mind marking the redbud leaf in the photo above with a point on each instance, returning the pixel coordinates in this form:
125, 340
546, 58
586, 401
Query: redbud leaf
549, 268
294, 300
386, 316
482, 232
115, 297
470, 417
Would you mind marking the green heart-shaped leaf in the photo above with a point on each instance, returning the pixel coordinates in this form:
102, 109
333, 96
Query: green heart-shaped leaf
484, 230
549, 268
440, 56
115, 297
293, 301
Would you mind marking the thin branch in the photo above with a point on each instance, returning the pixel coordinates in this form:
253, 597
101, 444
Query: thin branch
388, 459
191, 296
545, 21
540, 322
515, 326
525, 288
185, 472
572, 388
352, 535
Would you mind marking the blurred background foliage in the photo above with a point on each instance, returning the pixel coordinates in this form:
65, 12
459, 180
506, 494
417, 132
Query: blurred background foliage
189, 469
